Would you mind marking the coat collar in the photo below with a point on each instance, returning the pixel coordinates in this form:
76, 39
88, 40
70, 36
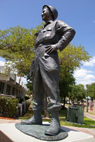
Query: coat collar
49, 22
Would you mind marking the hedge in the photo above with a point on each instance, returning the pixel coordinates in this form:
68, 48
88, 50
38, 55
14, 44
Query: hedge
8, 106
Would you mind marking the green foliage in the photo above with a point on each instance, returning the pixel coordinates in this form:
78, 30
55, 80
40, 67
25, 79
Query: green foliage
8, 106
77, 92
70, 58
73, 56
65, 81
29, 85
17, 47
91, 90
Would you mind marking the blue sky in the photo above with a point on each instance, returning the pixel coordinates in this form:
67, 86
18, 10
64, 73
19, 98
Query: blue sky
80, 14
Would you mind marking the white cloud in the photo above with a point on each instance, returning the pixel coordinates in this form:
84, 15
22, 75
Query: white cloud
93, 21
89, 77
91, 63
81, 72
2, 63
84, 76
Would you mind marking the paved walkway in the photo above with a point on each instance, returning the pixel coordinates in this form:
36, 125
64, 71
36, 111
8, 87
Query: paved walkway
9, 120
85, 130
88, 115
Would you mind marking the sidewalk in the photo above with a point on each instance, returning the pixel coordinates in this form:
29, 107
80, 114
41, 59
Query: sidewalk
90, 131
9, 120
88, 115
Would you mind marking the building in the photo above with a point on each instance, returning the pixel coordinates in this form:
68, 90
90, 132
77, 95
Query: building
11, 84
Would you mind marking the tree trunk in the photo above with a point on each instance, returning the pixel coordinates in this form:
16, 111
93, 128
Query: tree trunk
64, 101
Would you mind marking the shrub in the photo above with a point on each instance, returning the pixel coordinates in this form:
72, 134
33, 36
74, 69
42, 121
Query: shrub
8, 106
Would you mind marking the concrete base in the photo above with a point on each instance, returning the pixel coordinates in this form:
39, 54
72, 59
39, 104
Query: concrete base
17, 136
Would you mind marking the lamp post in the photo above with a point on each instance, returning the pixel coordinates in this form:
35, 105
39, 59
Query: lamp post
87, 101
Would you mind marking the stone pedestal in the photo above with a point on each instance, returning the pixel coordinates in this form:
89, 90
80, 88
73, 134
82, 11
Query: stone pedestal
14, 134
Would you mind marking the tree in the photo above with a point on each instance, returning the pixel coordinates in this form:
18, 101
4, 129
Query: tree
73, 56
17, 47
77, 92
65, 81
91, 90
70, 59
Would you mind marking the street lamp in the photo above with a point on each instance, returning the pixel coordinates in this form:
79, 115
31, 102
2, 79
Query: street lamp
87, 101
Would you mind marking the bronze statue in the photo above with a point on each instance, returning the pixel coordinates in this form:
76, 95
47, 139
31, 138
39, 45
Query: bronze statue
55, 35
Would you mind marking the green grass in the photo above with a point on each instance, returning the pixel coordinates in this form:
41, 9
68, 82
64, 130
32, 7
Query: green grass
88, 123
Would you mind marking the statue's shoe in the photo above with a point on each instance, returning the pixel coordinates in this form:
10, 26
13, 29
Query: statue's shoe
32, 120
54, 127
52, 131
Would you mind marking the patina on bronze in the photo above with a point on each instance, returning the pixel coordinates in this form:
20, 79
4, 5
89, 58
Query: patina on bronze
55, 35
37, 131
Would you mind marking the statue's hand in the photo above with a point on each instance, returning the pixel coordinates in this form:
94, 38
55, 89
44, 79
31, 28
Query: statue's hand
51, 48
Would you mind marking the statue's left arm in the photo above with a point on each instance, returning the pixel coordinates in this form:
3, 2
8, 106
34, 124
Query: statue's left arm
66, 34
